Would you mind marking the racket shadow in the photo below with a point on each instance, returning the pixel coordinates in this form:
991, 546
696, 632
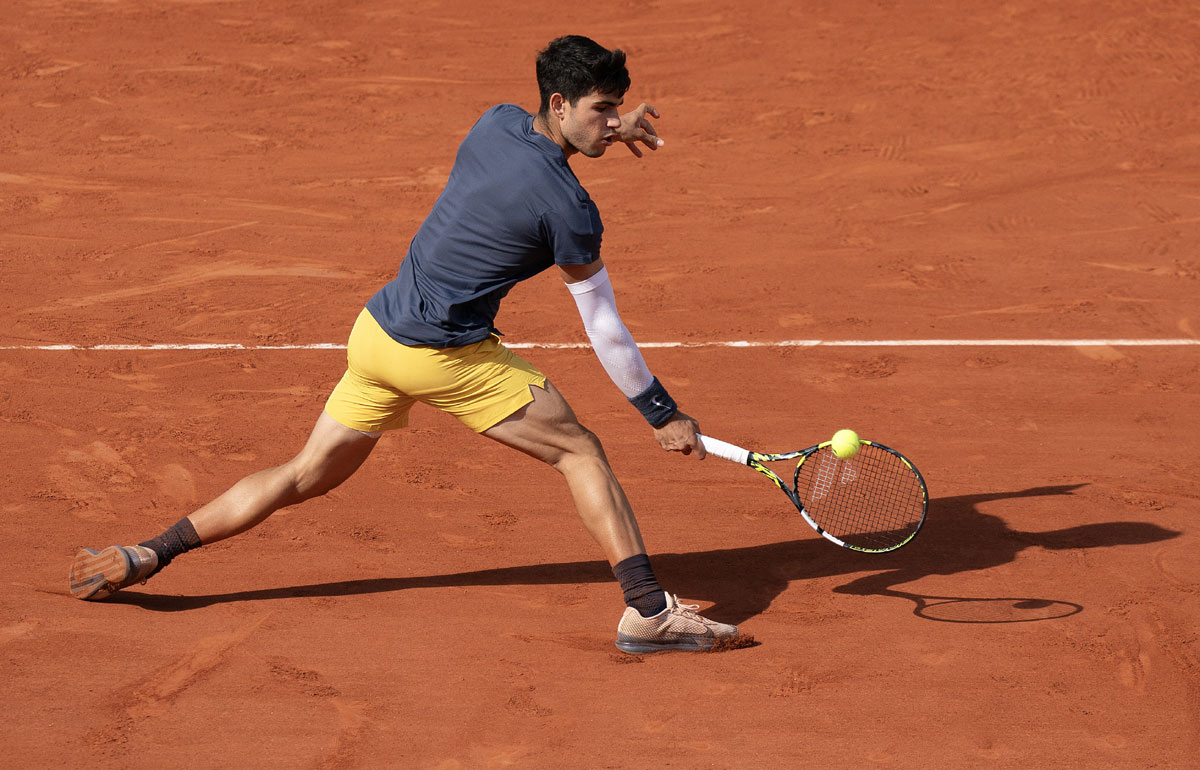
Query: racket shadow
965, 539
742, 582
957, 538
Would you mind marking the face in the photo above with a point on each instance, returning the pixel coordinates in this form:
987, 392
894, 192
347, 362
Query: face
590, 125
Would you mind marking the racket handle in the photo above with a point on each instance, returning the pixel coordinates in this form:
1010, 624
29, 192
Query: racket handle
725, 450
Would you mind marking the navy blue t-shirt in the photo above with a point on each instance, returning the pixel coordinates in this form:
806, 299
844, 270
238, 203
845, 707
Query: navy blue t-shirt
511, 208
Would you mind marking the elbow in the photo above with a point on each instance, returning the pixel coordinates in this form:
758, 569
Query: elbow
609, 334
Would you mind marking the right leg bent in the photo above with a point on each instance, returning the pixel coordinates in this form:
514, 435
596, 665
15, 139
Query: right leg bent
654, 620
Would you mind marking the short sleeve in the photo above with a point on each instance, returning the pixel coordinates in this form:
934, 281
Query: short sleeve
574, 235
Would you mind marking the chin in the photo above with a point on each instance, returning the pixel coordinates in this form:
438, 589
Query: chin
591, 151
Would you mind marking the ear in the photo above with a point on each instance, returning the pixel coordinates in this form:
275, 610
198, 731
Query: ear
556, 105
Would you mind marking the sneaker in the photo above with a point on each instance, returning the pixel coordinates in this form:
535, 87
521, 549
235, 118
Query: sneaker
678, 627
97, 574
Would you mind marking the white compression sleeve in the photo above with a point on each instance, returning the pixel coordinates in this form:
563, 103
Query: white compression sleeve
611, 341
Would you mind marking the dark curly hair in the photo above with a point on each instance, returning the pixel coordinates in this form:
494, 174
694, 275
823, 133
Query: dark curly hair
575, 66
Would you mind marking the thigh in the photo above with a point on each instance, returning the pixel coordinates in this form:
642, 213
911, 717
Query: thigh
546, 428
331, 455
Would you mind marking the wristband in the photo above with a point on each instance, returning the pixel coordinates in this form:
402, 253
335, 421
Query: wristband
655, 404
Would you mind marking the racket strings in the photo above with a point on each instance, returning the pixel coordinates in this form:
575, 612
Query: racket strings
872, 501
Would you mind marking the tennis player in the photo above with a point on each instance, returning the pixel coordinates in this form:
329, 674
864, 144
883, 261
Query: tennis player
511, 208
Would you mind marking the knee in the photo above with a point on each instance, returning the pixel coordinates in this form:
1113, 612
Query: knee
307, 479
579, 445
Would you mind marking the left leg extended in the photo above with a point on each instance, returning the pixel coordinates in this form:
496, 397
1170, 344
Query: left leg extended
331, 455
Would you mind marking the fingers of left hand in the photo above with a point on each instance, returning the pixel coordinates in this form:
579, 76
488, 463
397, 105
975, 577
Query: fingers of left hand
648, 138
643, 109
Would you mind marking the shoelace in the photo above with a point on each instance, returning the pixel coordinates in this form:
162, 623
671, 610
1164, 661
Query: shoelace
687, 610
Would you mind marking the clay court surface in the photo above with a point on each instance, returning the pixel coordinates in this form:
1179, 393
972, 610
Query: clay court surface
190, 173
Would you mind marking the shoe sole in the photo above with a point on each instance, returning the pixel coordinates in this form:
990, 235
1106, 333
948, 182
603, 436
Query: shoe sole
93, 572
644, 646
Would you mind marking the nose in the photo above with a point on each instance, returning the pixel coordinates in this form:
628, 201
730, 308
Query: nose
614, 122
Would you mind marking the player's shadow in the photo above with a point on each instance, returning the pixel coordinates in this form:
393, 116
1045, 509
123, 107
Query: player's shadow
957, 538
742, 582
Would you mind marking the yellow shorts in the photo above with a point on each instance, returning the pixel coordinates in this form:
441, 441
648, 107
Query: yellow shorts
480, 384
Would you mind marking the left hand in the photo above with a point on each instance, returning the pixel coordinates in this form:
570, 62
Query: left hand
636, 127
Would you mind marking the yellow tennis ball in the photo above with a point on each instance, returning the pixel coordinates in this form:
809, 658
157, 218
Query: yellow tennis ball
845, 444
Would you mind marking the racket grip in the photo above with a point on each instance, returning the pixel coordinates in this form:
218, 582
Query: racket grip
725, 450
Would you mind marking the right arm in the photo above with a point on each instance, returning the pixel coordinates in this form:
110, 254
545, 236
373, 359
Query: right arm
621, 359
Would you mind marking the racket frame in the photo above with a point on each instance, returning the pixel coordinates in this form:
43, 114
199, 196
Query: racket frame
758, 460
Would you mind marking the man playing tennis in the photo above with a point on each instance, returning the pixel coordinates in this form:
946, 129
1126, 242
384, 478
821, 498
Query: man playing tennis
511, 208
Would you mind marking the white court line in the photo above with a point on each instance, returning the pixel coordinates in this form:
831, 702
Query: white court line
1030, 343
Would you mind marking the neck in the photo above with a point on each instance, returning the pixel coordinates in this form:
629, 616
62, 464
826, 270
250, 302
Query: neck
548, 128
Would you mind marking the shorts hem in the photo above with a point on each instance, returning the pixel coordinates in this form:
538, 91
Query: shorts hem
369, 427
509, 407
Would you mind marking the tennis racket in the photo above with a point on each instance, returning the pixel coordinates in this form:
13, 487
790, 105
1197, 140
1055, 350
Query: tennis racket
873, 502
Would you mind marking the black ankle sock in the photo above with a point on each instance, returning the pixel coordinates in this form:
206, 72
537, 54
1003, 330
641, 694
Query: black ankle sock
180, 538
651, 604
642, 591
